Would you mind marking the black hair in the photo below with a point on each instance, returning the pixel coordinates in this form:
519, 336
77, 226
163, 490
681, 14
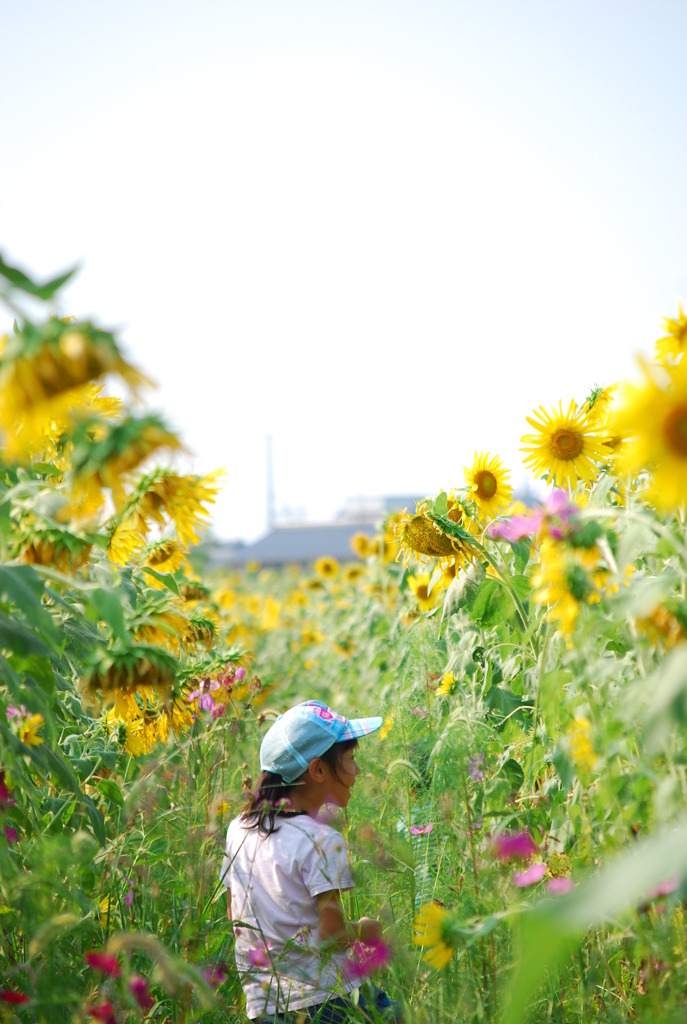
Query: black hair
271, 799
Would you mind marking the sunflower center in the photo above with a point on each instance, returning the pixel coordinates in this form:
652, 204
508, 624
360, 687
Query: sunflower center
486, 484
566, 443
675, 430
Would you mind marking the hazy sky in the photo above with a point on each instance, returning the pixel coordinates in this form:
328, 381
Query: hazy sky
381, 232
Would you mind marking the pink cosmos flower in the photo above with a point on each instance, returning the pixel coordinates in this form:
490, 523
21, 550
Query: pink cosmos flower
14, 712
558, 886
105, 1013
366, 957
215, 975
665, 888
259, 955
6, 798
421, 830
530, 876
517, 527
240, 674
16, 998
138, 987
103, 962
509, 845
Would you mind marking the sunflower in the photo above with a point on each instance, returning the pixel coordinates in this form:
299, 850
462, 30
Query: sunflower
673, 344
419, 537
180, 498
427, 598
363, 545
127, 540
652, 418
566, 447
445, 687
326, 568
487, 481
429, 927
163, 556
581, 748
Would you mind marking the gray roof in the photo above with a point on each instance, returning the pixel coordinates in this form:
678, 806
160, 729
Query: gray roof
295, 545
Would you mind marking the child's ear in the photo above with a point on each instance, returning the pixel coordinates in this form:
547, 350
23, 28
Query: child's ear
316, 770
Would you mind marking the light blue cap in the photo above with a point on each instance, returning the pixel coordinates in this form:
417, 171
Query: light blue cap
307, 731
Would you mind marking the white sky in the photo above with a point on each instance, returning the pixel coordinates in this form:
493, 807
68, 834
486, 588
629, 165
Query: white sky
382, 232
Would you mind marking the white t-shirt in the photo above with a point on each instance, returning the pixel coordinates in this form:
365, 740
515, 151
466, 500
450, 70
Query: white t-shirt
273, 882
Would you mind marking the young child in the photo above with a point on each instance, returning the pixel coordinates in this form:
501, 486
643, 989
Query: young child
285, 870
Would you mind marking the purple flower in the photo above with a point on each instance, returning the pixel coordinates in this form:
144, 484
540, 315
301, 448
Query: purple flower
533, 874
215, 975
6, 799
366, 957
129, 897
13, 712
11, 835
558, 886
206, 702
475, 770
259, 955
219, 710
421, 830
507, 846
240, 674
205, 687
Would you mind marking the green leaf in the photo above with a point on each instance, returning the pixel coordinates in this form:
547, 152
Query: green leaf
513, 772
441, 504
18, 279
106, 605
111, 791
165, 578
20, 585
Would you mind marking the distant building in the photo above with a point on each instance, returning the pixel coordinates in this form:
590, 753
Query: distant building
301, 543
296, 542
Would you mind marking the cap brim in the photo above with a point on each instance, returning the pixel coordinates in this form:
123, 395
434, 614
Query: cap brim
358, 727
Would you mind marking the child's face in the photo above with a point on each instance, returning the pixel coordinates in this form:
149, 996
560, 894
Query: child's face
339, 788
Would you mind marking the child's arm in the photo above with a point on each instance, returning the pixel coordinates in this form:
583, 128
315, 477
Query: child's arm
336, 929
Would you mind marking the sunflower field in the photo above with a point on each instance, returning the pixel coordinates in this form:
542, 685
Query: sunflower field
520, 826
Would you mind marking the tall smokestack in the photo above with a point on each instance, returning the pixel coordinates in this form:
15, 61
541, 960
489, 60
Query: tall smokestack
270, 482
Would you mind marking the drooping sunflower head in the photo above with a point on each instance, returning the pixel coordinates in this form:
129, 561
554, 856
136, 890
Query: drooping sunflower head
672, 345
421, 538
566, 448
487, 480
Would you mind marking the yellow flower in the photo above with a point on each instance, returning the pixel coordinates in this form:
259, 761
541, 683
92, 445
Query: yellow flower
674, 343
581, 747
429, 928
28, 730
352, 573
182, 499
107, 908
598, 406
420, 586
363, 545
163, 556
652, 418
566, 446
386, 728
421, 538
446, 685
555, 584
487, 481
127, 540
223, 807
327, 568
